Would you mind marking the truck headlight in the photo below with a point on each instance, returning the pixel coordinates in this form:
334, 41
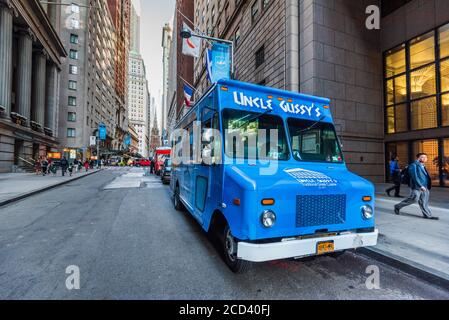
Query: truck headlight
268, 218
367, 212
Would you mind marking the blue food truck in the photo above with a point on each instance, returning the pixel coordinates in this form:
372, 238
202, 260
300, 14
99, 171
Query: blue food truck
269, 196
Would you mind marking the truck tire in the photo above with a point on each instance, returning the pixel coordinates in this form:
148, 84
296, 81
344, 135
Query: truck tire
229, 251
177, 200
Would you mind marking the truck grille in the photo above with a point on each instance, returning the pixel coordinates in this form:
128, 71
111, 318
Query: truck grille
312, 211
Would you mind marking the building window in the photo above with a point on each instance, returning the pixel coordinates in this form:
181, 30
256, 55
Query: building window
412, 71
265, 4
72, 85
237, 37
73, 38
255, 11
73, 69
260, 56
73, 54
72, 101
445, 164
75, 8
71, 133
430, 147
71, 117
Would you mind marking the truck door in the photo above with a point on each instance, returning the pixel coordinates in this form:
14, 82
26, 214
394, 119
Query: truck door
208, 175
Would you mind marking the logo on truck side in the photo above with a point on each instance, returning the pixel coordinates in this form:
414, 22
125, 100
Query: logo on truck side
247, 101
311, 178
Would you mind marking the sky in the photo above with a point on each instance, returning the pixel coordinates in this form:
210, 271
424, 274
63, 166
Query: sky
153, 16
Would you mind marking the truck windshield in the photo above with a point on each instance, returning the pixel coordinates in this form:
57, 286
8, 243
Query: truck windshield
314, 141
249, 136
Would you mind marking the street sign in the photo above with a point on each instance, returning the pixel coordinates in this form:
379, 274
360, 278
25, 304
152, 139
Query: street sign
93, 140
127, 140
102, 132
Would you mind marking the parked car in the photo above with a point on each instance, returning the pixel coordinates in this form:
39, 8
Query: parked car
166, 171
144, 162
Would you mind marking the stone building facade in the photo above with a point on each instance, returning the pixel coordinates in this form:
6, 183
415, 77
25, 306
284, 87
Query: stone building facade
31, 54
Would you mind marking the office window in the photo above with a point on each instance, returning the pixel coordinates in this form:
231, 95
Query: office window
260, 56
422, 50
72, 85
411, 91
423, 82
430, 147
73, 54
255, 10
444, 65
445, 167
395, 61
445, 109
71, 133
444, 41
265, 3
424, 114
73, 38
75, 8
399, 149
73, 69
237, 37
71, 117
72, 101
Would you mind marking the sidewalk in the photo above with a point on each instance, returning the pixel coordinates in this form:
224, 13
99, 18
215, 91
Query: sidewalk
409, 239
16, 186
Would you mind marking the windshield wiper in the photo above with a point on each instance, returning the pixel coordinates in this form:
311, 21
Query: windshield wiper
254, 118
313, 125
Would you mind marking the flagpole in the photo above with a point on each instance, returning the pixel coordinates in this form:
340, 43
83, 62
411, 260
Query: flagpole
190, 85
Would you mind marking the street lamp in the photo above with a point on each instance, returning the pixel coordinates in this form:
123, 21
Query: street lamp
186, 33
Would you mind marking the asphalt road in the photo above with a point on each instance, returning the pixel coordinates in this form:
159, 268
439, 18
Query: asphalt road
130, 243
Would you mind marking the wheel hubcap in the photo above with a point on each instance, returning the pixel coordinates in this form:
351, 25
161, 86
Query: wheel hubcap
230, 246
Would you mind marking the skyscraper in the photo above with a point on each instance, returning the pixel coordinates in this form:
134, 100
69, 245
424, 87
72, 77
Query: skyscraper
138, 94
166, 42
87, 95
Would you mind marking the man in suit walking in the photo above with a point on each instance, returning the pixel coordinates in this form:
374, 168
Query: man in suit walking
420, 185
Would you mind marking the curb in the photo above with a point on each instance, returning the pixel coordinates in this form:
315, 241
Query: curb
32, 193
413, 268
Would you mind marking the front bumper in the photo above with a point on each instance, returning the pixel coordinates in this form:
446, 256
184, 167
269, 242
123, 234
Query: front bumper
302, 248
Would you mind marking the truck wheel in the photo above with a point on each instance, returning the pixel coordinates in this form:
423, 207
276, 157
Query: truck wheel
229, 247
177, 201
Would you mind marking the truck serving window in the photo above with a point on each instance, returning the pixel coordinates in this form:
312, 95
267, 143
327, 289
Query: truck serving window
314, 141
249, 135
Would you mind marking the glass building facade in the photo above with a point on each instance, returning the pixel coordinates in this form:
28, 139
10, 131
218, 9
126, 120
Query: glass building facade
416, 79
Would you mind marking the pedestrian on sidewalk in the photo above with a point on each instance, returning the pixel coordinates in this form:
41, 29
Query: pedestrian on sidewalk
44, 166
71, 169
64, 164
38, 166
86, 165
152, 165
420, 186
75, 165
395, 174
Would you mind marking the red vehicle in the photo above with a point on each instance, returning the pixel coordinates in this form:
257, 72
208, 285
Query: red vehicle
144, 162
141, 162
159, 157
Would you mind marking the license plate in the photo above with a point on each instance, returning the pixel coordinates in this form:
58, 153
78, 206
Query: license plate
325, 247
